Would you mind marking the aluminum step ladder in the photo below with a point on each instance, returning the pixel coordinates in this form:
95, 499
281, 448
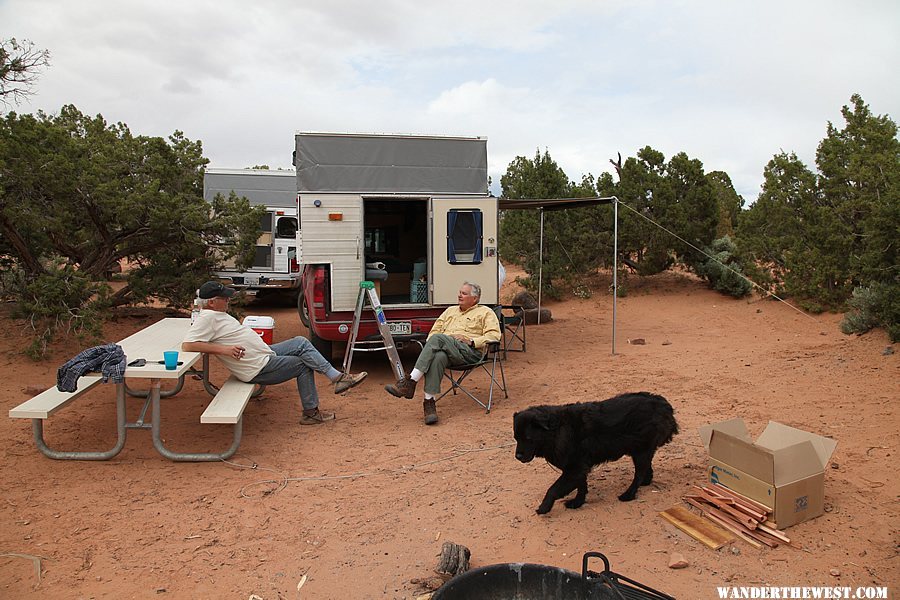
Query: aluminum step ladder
367, 288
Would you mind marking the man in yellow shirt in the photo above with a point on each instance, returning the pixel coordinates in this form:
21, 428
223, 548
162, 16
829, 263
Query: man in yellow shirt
459, 336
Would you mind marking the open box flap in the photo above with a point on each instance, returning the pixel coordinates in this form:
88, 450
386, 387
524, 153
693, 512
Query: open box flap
778, 436
795, 462
734, 427
743, 455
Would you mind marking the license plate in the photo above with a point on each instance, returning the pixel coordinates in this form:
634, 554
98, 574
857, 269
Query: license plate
400, 327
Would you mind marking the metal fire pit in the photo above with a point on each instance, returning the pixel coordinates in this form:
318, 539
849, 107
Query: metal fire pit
526, 581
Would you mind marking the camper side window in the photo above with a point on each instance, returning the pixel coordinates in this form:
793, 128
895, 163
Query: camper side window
465, 234
286, 227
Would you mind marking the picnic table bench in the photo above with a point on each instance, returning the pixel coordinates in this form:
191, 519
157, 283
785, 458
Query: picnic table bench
49, 401
227, 405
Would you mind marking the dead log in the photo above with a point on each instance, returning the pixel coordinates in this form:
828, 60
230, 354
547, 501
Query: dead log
531, 316
454, 559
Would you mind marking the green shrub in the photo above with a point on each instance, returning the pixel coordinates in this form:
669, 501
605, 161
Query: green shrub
723, 270
876, 305
46, 303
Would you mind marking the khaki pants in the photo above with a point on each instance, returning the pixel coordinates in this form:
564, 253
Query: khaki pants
441, 350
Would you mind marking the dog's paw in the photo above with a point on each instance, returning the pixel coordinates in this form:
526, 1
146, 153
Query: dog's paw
574, 503
626, 497
543, 510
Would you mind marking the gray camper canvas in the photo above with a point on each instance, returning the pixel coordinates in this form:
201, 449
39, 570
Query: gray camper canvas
365, 164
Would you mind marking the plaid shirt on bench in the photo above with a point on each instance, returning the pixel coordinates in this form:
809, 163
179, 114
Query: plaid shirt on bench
109, 359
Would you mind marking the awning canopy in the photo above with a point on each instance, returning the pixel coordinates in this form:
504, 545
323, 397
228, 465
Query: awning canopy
545, 204
551, 203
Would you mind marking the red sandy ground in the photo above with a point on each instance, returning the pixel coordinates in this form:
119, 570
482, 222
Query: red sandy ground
359, 508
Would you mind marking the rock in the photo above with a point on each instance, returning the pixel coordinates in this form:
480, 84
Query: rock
667, 343
835, 572
888, 351
531, 316
735, 550
525, 300
677, 561
637, 341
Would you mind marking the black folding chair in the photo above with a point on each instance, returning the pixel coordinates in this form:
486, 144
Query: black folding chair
512, 326
490, 364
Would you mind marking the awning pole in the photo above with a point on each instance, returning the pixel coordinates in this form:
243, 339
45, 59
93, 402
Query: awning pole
541, 268
615, 267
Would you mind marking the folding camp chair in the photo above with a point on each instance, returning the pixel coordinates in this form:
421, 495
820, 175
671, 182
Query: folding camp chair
512, 326
490, 364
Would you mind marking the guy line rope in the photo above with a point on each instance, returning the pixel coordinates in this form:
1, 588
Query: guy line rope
741, 275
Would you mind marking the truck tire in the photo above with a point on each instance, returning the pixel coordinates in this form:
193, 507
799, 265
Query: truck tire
303, 309
323, 346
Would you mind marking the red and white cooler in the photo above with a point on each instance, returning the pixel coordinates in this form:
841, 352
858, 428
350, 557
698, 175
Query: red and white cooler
264, 326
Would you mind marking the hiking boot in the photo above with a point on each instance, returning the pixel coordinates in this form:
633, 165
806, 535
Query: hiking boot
317, 418
430, 412
347, 381
405, 388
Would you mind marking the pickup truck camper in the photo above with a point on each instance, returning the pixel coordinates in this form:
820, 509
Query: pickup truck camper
276, 264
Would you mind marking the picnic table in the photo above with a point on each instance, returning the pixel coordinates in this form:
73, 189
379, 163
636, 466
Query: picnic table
227, 405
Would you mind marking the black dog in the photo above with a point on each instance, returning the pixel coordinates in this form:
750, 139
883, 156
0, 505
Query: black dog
576, 437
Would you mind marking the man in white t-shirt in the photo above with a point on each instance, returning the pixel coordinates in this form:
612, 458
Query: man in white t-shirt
252, 360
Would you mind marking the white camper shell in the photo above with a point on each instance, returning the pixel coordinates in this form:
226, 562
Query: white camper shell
276, 264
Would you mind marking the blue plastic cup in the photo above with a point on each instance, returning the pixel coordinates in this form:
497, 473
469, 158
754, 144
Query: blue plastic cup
171, 359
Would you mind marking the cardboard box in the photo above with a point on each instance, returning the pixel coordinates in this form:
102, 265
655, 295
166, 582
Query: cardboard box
784, 469
264, 326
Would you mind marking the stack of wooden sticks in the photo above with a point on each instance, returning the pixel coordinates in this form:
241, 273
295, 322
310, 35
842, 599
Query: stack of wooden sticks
746, 518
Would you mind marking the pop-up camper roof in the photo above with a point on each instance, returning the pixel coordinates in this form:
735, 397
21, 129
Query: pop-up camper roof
260, 186
391, 164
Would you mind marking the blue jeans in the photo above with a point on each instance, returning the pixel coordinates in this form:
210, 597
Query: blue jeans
297, 359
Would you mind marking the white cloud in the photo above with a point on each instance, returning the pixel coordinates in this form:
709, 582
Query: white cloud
729, 83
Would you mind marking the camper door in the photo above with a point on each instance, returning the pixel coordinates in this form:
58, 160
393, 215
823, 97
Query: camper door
464, 247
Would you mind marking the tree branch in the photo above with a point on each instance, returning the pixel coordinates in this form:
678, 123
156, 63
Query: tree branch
617, 165
29, 261
19, 64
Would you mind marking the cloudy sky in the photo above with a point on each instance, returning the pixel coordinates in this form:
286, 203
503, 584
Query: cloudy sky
728, 82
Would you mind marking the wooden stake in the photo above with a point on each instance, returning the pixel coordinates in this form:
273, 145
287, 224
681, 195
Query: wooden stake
741, 498
742, 518
756, 514
774, 533
706, 510
704, 531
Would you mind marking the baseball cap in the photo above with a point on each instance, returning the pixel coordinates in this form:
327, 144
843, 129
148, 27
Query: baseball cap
213, 289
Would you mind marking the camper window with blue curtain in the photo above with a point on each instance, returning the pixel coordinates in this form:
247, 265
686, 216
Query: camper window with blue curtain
465, 235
